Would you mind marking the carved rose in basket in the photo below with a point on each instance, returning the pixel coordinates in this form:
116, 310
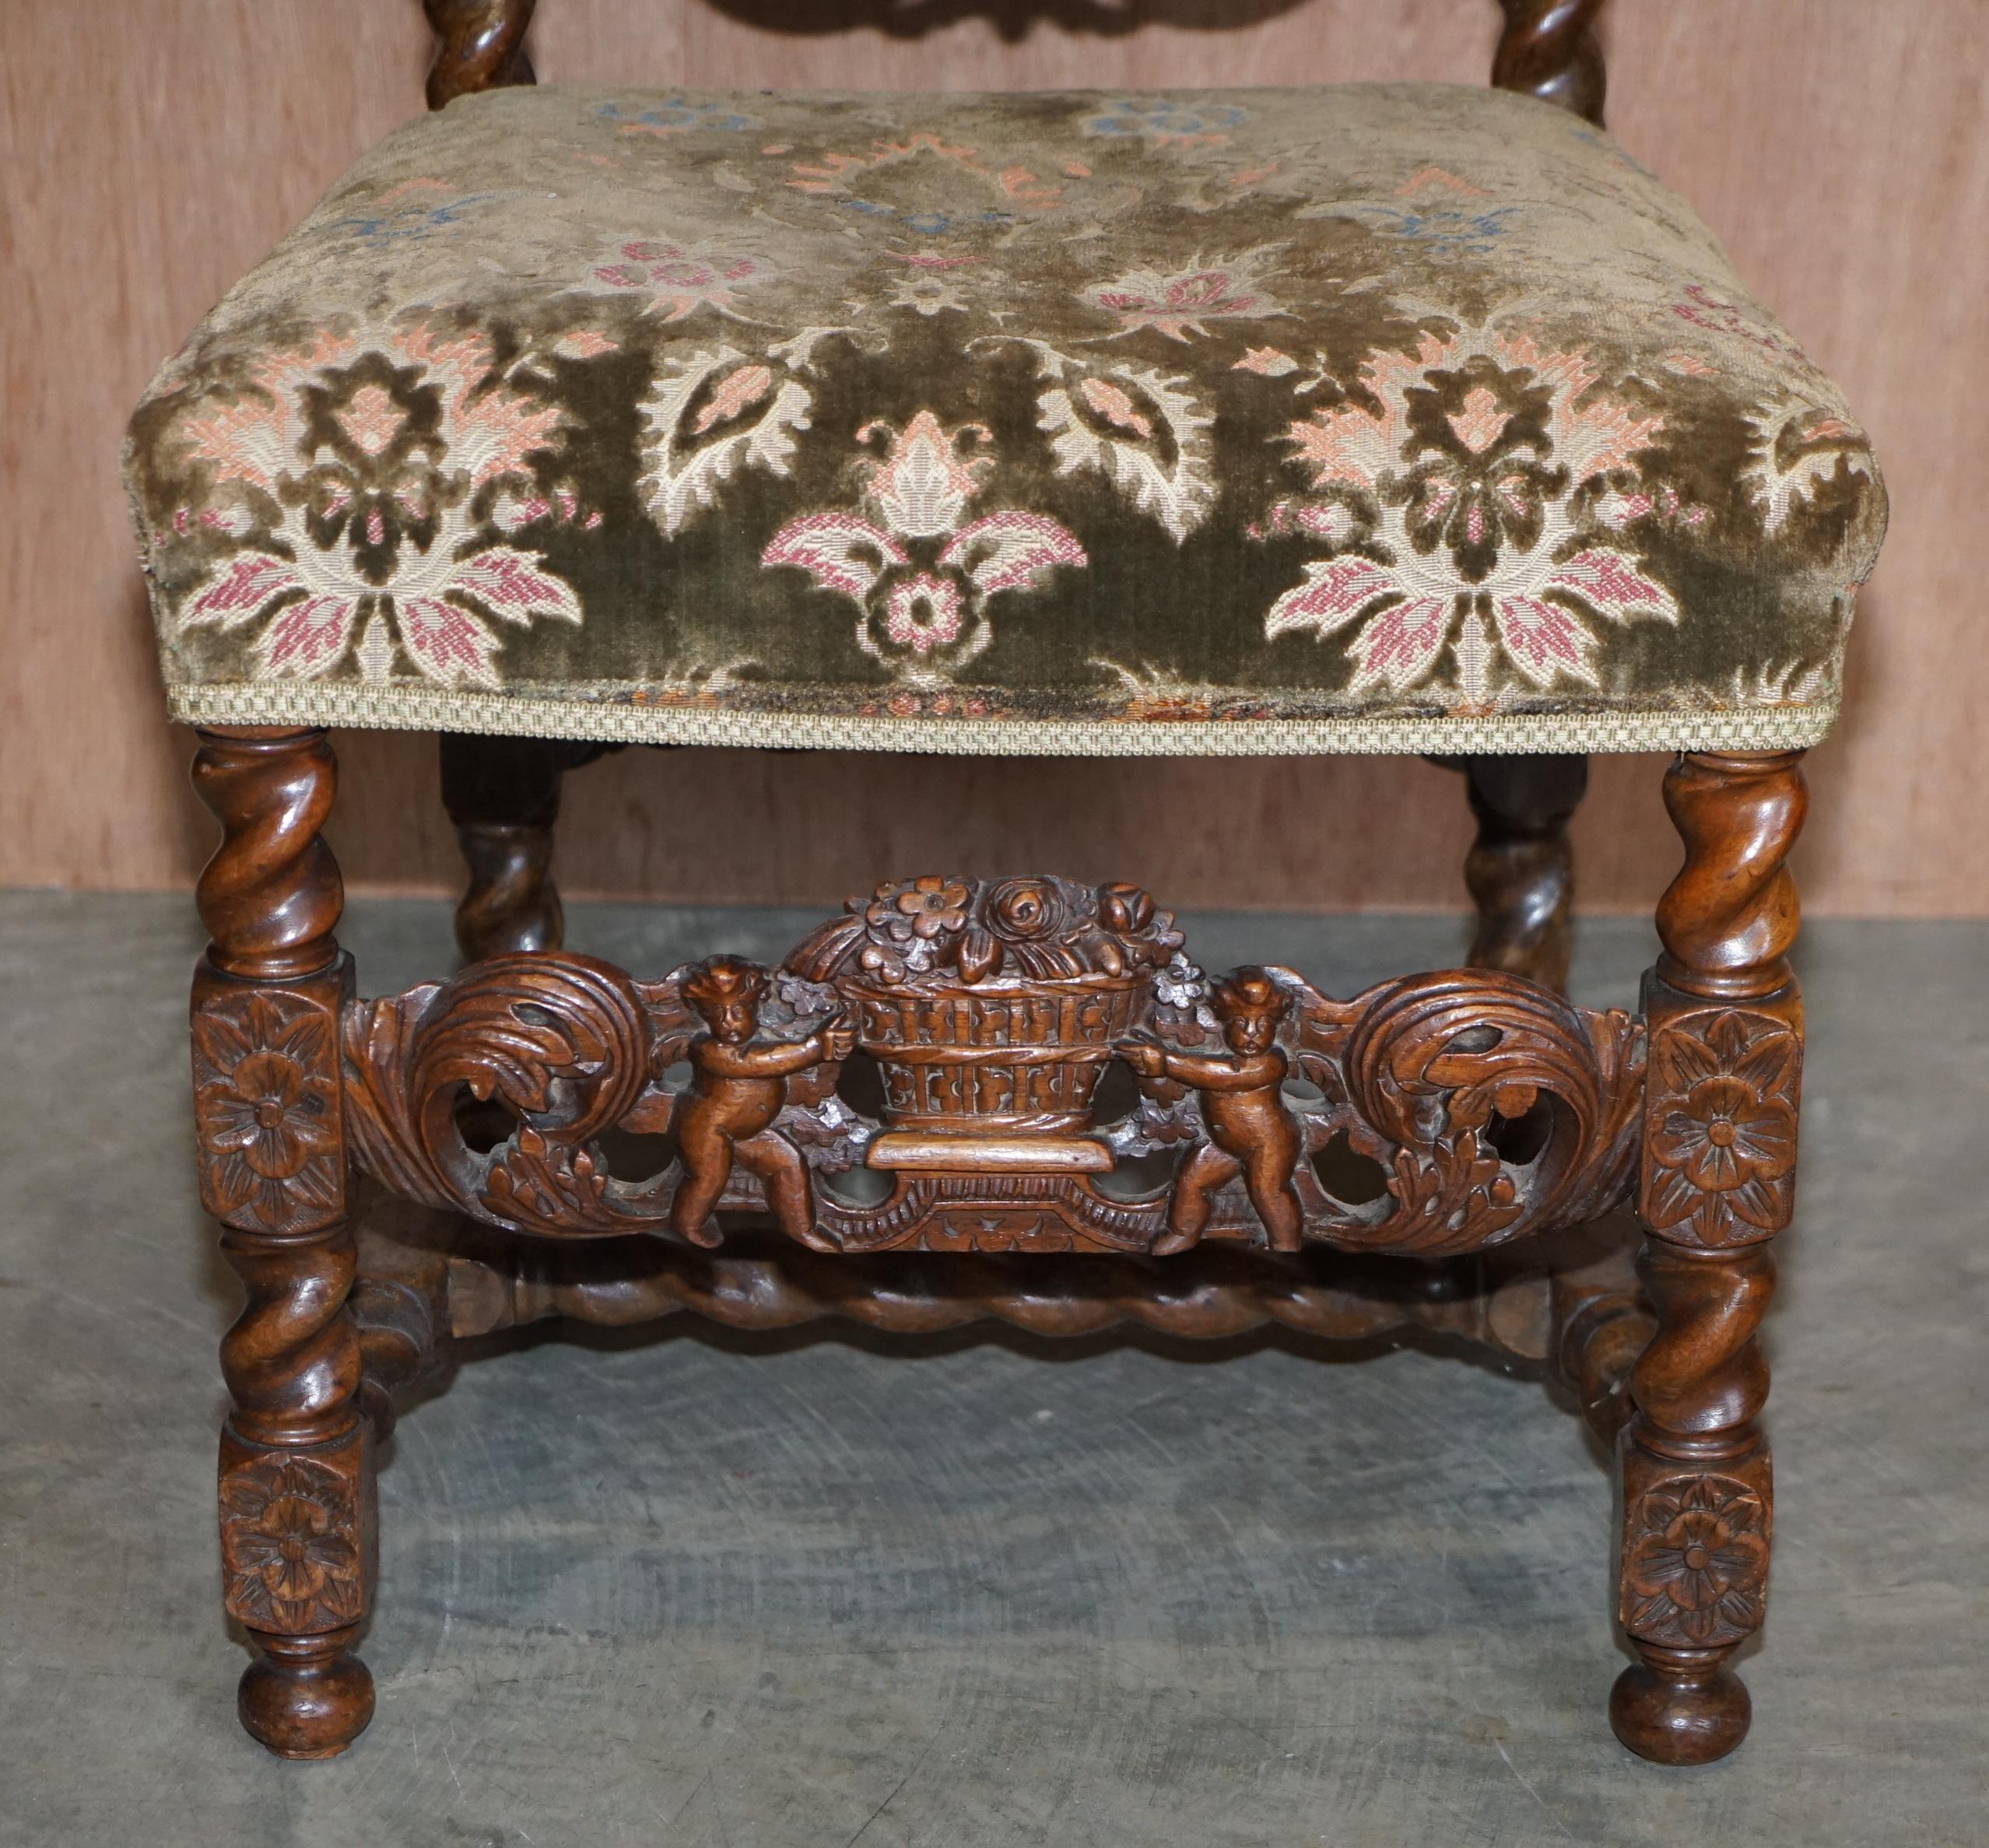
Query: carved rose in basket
977, 930
992, 1006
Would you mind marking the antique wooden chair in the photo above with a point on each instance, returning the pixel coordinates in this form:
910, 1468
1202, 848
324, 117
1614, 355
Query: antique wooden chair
1403, 418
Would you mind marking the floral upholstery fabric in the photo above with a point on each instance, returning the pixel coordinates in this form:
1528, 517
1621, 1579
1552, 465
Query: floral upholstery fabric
1396, 417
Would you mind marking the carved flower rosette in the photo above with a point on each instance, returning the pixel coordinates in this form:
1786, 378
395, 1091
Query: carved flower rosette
1721, 1164
266, 1112
290, 1554
1696, 1574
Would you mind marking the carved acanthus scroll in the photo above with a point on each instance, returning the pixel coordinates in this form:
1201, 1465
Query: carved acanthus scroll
561, 1042
1421, 1072
992, 1009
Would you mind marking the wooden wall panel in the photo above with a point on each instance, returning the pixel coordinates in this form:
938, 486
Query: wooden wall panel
153, 151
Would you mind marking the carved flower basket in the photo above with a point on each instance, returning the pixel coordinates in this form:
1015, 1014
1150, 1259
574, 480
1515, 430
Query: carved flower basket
995, 1057
992, 1007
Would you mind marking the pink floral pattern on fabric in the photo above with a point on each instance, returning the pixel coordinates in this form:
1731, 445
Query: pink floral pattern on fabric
1457, 489
713, 412
920, 571
1181, 302
930, 183
365, 475
679, 279
1799, 452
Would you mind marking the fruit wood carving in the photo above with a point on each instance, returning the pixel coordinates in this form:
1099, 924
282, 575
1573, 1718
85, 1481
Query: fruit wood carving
294, 1545
563, 1043
271, 895
1520, 869
1726, 1018
1601, 1318
1720, 1154
503, 794
991, 1009
266, 1105
1697, 1563
1697, 1494
1570, 1300
1500, 1299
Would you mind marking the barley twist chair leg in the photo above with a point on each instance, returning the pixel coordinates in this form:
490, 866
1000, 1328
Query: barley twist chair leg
1548, 49
503, 793
1725, 1022
1520, 871
296, 1461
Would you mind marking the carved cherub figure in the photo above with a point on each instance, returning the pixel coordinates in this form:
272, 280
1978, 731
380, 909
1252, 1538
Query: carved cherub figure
739, 1084
1250, 1132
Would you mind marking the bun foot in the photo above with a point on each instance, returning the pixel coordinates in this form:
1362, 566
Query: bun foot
1679, 1707
305, 1697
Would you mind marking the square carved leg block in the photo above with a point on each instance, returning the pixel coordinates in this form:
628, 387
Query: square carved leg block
1694, 1581
1106, 1133
299, 1558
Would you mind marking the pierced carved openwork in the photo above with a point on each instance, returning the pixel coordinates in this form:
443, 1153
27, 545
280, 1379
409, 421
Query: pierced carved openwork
1483, 1107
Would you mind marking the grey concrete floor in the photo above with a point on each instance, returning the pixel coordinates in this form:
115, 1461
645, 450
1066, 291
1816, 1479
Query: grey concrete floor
689, 1588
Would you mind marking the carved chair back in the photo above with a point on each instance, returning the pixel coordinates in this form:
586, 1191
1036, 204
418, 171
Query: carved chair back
1548, 49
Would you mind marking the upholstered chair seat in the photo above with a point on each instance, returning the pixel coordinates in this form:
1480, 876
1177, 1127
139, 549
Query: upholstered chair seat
1399, 417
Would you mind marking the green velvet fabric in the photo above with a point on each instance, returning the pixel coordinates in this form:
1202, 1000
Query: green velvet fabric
1375, 417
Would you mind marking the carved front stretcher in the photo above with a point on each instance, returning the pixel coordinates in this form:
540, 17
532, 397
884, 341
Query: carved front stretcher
1032, 1082
1482, 1107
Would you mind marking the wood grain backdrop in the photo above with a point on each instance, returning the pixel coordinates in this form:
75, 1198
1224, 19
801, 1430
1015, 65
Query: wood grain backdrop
154, 148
